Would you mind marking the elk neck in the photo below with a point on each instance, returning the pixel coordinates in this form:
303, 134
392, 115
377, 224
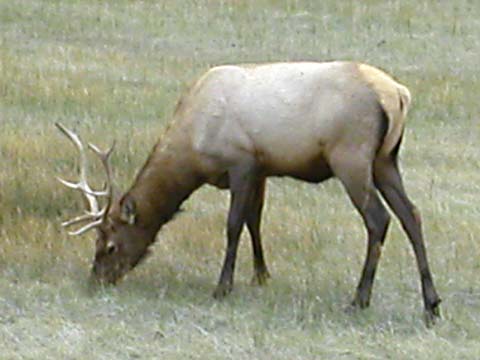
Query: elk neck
166, 180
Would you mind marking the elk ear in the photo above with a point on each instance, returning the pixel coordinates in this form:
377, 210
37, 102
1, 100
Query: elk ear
128, 210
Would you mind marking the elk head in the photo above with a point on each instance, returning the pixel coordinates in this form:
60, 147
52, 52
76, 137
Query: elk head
121, 241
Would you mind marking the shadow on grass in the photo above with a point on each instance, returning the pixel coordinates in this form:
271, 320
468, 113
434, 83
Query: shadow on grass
278, 303
312, 305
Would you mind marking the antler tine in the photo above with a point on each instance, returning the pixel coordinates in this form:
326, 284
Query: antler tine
78, 144
104, 158
85, 217
87, 227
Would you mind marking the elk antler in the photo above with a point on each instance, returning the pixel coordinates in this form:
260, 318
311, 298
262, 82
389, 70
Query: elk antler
94, 214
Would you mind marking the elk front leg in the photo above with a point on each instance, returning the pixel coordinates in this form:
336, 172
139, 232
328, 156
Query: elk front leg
254, 217
242, 186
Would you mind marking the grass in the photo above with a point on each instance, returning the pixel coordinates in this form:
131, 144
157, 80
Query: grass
115, 69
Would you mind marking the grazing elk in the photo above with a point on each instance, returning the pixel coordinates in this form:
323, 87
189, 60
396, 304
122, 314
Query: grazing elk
239, 125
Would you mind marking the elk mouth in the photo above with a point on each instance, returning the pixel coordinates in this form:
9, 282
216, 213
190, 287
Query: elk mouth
108, 277
102, 275
97, 280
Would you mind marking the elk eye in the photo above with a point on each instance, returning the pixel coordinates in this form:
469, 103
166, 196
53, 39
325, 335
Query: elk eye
111, 248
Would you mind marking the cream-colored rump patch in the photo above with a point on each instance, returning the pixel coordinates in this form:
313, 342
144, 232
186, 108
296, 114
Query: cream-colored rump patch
395, 99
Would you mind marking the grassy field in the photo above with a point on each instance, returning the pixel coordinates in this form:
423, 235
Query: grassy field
115, 69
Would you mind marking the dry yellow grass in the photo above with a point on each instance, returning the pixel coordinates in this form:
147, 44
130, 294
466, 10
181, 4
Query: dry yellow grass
115, 69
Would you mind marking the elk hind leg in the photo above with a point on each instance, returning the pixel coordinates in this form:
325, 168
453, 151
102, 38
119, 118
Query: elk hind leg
358, 181
389, 182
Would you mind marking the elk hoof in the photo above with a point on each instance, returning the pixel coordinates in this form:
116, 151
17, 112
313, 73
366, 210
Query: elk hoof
432, 315
221, 291
260, 278
360, 302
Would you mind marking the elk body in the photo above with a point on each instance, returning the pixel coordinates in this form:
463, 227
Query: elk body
239, 125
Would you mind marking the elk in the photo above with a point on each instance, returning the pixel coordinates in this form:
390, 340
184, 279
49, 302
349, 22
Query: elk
238, 125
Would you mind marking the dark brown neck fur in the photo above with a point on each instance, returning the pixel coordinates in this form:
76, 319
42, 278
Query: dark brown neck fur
165, 181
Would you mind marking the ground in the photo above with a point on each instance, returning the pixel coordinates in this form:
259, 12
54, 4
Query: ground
114, 70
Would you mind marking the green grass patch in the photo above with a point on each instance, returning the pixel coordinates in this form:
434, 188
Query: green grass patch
114, 70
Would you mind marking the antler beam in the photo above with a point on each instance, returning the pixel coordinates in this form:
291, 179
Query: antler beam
93, 213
